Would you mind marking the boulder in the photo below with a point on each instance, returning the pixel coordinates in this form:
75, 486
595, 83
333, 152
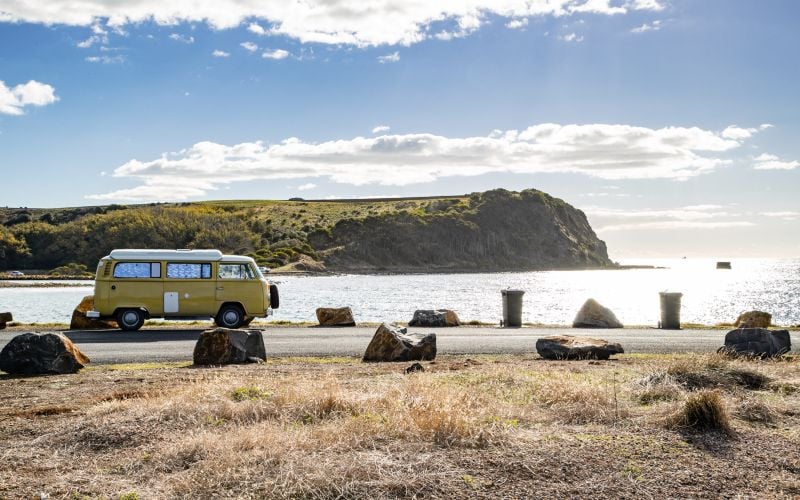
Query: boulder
593, 315
41, 354
222, 346
5, 318
431, 318
79, 320
570, 347
758, 342
335, 316
753, 319
392, 343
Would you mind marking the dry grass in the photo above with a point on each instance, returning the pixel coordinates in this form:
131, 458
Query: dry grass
485, 427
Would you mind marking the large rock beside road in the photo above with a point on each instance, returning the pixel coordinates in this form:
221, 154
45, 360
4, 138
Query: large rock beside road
434, 318
392, 343
5, 317
41, 354
79, 320
222, 346
753, 319
335, 316
758, 342
593, 315
570, 347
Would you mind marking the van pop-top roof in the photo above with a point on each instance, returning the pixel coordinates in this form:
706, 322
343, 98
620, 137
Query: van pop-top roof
182, 255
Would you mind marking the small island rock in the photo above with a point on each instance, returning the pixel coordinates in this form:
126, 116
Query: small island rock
222, 346
570, 347
434, 318
392, 343
79, 320
335, 316
758, 342
594, 315
753, 319
41, 354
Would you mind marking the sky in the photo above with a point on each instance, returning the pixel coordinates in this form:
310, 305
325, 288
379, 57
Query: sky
673, 124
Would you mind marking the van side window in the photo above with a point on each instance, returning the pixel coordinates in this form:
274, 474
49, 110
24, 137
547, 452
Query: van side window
235, 272
137, 270
187, 271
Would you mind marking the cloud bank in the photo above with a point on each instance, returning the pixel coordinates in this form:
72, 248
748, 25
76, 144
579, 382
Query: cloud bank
350, 22
13, 100
598, 150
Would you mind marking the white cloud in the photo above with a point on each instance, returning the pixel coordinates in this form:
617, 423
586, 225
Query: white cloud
381, 128
771, 162
689, 217
275, 54
516, 24
306, 187
389, 58
734, 132
249, 46
572, 37
220, 53
257, 29
785, 215
654, 26
598, 150
118, 59
14, 99
350, 22
181, 38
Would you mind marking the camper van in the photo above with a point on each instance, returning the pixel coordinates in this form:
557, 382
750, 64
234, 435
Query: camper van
134, 285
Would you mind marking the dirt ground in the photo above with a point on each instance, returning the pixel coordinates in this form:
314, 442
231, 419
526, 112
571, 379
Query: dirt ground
487, 426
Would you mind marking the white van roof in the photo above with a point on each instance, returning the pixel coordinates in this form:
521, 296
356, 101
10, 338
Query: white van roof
184, 255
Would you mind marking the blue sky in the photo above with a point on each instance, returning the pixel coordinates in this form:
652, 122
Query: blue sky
671, 123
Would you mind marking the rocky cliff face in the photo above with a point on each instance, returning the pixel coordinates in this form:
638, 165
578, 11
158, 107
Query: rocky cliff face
497, 230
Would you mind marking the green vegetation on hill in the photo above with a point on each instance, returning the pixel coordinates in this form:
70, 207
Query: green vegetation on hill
482, 231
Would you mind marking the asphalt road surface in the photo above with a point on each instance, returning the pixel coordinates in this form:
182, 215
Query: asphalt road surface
114, 346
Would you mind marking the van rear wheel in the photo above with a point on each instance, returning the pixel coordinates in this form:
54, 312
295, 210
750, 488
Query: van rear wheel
230, 316
130, 320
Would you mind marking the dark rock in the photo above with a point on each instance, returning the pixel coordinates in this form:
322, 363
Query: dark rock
758, 342
391, 343
222, 346
79, 320
335, 316
41, 354
753, 319
431, 318
570, 347
6, 317
416, 367
593, 315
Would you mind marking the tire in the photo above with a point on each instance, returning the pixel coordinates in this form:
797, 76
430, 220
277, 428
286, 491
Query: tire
230, 316
274, 300
130, 320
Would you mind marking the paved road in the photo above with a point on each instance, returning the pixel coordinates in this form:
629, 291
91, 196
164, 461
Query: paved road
113, 346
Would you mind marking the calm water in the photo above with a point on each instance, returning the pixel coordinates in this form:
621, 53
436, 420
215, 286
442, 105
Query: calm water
552, 297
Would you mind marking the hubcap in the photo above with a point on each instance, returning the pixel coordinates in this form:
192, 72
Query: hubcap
130, 318
230, 317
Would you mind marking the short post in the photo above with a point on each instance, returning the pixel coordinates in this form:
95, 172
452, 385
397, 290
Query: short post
670, 310
512, 307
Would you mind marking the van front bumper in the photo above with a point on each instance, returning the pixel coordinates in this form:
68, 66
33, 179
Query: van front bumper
93, 314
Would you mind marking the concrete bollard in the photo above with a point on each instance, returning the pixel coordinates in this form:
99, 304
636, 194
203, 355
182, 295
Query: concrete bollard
670, 310
512, 307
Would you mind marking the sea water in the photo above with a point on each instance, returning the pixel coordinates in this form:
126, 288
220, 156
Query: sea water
710, 296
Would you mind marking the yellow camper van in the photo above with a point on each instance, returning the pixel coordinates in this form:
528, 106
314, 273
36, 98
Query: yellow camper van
134, 285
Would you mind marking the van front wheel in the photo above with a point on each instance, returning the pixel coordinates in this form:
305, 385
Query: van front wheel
230, 317
130, 320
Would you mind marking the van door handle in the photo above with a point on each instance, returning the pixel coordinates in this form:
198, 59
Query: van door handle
220, 288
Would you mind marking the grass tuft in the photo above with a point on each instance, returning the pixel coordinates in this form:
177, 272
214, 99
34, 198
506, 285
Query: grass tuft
704, 411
